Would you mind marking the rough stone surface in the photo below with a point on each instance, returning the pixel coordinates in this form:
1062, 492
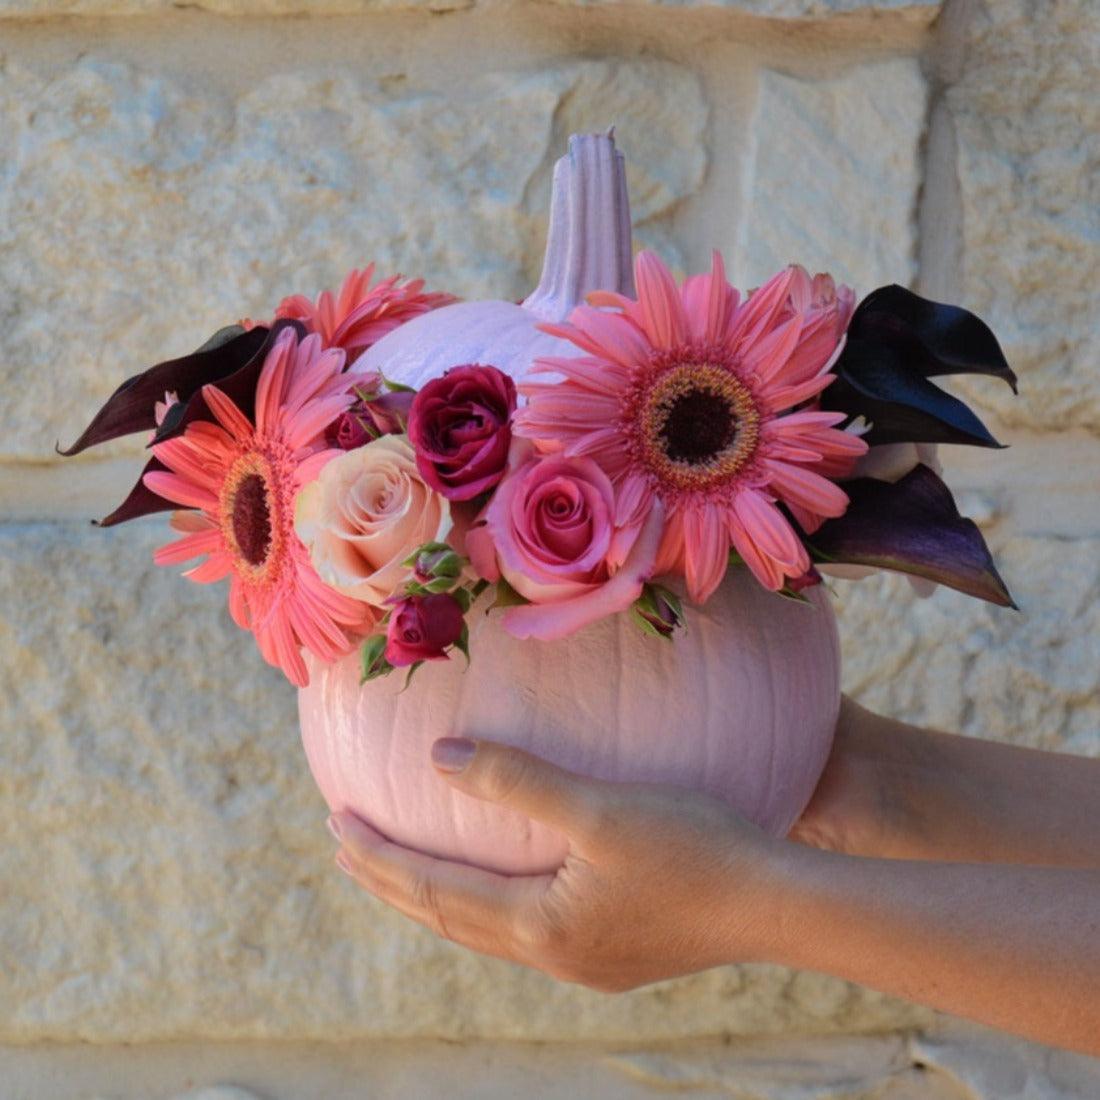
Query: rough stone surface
921, 11
165, 867
832, 173
957, 1064
948, 661
140, 211
168, 872
1027, 120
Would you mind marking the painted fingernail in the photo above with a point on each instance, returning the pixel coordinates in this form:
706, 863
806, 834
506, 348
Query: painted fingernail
334, 827
344, 863
452, 754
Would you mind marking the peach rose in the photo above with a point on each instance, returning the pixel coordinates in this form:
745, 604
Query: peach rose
368, 510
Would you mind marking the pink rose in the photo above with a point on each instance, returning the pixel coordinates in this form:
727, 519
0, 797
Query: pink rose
422, 627
460, 427
549, 531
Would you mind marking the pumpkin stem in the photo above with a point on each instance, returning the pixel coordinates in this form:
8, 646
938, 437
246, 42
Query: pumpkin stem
588, 242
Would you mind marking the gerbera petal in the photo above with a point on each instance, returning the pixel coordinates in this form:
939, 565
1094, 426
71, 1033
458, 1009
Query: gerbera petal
609, 336
706, 551
215, 568
662, 309
766, 541
269, 389
191, 546
287, 651
798, 485
238, 606
769, 355
179, 490
758, 313
786, 397
226, 413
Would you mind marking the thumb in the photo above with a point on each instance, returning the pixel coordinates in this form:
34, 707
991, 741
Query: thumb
519, 780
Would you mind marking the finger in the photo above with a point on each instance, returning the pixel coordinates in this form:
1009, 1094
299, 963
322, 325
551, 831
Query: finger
442, 892
514, 778
460, 932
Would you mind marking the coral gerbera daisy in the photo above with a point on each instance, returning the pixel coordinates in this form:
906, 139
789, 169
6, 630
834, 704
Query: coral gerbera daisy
691, 397
359, 315
242, 478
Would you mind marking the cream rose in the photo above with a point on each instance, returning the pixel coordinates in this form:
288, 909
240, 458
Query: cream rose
365, 514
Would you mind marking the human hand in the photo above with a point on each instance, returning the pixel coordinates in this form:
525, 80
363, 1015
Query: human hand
658, 881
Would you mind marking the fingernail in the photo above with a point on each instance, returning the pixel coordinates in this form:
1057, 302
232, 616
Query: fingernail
334, 827
452, 754
343, 863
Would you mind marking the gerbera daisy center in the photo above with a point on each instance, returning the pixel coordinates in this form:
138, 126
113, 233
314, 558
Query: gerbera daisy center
252, 519
698, 426
246, 514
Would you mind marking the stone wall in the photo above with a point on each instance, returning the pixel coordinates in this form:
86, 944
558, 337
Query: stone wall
167, 880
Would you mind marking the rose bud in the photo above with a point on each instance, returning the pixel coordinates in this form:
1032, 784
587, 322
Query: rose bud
389, 412
808, 579
658, 611
370, 417
460, 427
435, 560
422, 627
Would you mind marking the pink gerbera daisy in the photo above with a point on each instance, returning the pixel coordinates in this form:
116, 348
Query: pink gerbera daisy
360, 315
241, 478
705, 403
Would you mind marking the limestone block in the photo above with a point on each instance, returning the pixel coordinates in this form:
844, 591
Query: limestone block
166, 868
832, 174
140, 210
1032, 677
1027, 120
919, 11
963, 1064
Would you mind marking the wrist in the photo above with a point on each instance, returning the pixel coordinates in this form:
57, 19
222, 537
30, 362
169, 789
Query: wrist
784, 917
764, 900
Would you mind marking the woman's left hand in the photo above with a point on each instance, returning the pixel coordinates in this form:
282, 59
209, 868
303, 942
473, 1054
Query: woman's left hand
658, 881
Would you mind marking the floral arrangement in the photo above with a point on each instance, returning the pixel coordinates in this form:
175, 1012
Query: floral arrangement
691, 430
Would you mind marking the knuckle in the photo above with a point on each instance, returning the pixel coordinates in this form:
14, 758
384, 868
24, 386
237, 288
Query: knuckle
424, 896
540, 936
506, 772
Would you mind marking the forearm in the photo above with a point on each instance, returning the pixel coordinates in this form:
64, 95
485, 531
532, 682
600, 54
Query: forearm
1014, 947
898, 791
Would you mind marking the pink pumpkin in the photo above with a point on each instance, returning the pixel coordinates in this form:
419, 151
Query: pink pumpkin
741, 705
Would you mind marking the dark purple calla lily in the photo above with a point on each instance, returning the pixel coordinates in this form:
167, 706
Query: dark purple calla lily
912, 526
130, 408
232, 359
896, 342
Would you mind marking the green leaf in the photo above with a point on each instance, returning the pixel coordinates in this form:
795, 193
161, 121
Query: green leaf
440, 584
647, 627
506, 596
372, 660
464, 598
425, 548
789, 593
396, 387
408, 677
463, 644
